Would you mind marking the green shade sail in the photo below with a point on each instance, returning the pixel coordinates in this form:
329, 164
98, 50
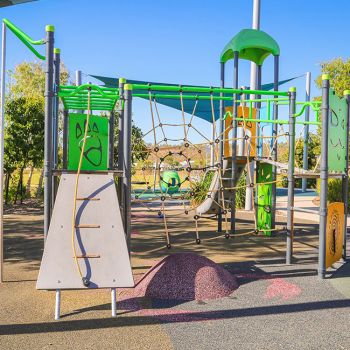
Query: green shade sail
77, 97
252, 45
203, 108
4, 3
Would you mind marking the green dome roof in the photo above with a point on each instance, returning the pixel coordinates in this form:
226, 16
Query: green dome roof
252, 45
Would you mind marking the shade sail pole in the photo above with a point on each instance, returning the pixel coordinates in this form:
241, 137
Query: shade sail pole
2, 131
306, 131
253, 86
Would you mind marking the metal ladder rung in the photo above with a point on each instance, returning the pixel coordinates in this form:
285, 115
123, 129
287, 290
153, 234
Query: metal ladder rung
88, 199
88, 256
87, 226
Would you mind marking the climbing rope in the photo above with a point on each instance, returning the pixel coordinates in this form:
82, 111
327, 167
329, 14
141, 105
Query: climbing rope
85, 280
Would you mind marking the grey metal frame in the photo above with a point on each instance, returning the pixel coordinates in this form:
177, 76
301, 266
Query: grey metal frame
57, 62
323, 179
234, 144
290, 210
306, 131
2, 134
127, 124
274, 144
65, 140
49, 93
221, 144
346, 173
111, 122
120, 164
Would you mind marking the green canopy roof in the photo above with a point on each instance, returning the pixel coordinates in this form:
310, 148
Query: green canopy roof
77, 97
252, 45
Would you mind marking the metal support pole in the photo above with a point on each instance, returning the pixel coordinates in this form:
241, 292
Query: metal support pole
260, 149
120, 192
58, 304
290, 212
78, 79
114, 302
221, 144
346, 173
323, 177
241, 143
127, 161
65, 140
57, 62
253, 86
306, 131
212, 147
2, 132
48, 127
274, 144
111, 140
234, 144
256, 14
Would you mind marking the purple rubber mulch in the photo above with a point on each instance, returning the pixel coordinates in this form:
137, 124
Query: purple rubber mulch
186, 276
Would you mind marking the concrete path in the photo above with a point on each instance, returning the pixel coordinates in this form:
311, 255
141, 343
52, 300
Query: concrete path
301, 200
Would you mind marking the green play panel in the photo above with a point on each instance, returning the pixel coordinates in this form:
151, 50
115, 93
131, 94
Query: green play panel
264, 198
337, 133
96, 147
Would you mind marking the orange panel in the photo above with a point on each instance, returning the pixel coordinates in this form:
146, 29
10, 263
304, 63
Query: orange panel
242, 112
335, 233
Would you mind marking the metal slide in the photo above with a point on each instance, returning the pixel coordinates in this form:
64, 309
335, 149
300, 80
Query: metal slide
210, 204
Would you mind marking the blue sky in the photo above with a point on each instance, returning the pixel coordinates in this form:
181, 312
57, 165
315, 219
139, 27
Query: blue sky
180, 41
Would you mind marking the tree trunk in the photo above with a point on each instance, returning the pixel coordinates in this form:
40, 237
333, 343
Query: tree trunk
40, 185
21, 184
18, 189
7, 187
29, 182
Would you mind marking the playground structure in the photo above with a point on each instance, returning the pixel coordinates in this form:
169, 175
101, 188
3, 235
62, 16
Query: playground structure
87, 219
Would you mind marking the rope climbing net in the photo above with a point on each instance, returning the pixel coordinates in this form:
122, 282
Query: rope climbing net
175, 178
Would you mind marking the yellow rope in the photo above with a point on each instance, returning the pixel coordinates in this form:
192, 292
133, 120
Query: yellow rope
76, 192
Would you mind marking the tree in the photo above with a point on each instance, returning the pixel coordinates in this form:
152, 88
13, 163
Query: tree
314, 150
339, 74
138, 145
24, 133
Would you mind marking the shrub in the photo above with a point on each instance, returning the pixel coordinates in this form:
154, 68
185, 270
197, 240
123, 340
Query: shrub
201, 189
335, 193
311, 183
240, 192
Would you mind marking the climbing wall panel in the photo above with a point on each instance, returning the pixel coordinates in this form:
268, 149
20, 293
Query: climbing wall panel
99, 240
248, 126
96, 148
337, 133
335, 233
264, 198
